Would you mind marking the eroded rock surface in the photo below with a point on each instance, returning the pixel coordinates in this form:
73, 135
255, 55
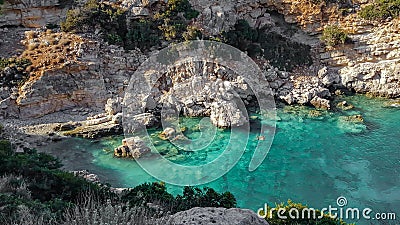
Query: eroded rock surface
220, 216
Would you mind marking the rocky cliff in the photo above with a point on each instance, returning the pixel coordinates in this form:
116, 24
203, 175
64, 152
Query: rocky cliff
89, 71
70, 71
32, 13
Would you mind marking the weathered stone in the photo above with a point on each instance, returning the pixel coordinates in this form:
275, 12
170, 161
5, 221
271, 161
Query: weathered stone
227, 114
220, 216
113, 106
320, 103
344, 105
132, 147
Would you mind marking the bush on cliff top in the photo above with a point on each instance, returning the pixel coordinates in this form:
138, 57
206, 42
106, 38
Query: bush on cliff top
170, 22
192, 197
380, 10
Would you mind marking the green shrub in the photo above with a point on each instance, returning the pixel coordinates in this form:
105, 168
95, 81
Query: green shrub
380, 10
208, 197
192, 197
111, 20
142, 34
170, 23
5, 149
192, 33
273, 218
16, 74
334, 35
280, 51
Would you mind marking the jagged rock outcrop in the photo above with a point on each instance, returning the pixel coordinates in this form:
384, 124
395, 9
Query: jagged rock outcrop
89, 72
32, 13
220, 216
198, 89
308, 90
133, 147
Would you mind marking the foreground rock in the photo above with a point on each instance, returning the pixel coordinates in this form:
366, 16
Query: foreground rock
220, 216
133, 147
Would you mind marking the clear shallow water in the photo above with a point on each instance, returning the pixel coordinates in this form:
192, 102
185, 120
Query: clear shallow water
313, 159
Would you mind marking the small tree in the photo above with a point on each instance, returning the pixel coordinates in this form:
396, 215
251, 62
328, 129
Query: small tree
334, 35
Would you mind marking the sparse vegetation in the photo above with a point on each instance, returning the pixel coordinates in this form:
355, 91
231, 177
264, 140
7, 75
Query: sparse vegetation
334, 35
59, 48
380, 10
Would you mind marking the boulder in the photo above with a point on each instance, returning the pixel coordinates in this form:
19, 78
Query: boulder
220, 216
168, 133
320, 103
133, 147
344, 105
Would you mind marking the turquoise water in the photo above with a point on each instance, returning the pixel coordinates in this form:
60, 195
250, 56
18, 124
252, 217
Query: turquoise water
316, 157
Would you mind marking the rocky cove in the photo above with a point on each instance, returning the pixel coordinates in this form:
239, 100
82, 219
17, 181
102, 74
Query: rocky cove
75, 84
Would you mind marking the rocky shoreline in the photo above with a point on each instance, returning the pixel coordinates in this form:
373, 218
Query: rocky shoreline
94, 73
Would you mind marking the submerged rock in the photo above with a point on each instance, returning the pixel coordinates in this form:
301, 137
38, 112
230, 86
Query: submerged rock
354, 118
352, 124
393, 103
344, 105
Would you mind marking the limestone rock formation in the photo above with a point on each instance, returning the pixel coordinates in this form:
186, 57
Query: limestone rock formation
33, 14
308, 90
220, 216
372, 63
75, 72
320, 103
133, 147
227, 114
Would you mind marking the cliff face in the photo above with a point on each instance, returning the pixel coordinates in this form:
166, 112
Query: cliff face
32, 13
94, 71
368, 65
73, 72
371, 64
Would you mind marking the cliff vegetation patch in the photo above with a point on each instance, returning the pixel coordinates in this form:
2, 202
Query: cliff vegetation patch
168, 22
333, 35
381, 10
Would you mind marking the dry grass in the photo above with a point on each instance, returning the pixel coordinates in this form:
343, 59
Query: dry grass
91, 211
48, 50
14, 185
